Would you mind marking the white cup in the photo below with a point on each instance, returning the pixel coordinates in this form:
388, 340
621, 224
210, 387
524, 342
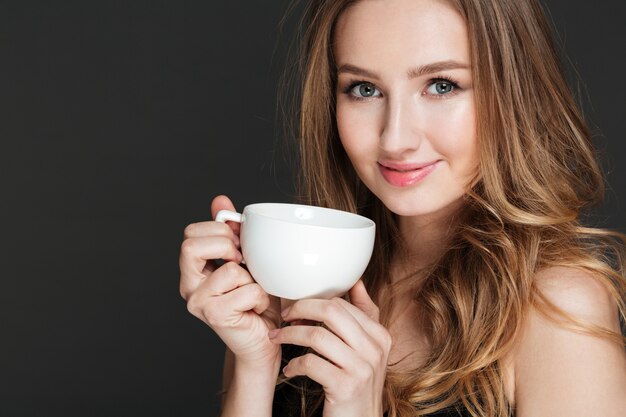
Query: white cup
295, 251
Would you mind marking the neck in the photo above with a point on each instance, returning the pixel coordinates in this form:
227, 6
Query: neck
424, 238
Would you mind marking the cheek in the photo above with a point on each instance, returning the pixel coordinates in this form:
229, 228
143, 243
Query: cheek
455, 130
343, 124
357, 131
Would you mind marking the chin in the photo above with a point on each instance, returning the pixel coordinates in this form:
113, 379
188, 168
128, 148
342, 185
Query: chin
410, 210
406, 205
418, 206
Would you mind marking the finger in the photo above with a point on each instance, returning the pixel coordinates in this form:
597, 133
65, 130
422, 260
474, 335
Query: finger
381, 339
229, 310
316, 368
210, 228
319, 339
226, 278
247, 298
369, 320
196, 251
333, 314
361, 299
221, 202
195, 254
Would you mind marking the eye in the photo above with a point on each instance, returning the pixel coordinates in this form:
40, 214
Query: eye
440, 87
364, 90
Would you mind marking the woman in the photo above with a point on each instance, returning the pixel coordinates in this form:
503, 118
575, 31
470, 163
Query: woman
450, 124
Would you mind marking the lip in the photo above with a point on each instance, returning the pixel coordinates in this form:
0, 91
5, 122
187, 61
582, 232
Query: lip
405, 174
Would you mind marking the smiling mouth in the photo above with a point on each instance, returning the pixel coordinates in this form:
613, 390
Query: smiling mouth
402, 170
406, 175
405, 166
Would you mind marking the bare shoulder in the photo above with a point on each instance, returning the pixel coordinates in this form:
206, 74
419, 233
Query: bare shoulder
580, 294
559, 371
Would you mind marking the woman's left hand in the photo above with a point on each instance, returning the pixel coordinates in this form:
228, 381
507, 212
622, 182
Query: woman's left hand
352, 351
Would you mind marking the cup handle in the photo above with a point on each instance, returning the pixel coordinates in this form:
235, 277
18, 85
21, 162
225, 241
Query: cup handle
223, 216
226, 215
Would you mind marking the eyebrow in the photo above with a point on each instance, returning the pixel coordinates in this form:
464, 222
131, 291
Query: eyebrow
411, 73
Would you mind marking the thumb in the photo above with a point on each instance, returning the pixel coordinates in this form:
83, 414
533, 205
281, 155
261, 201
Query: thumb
221, 202
361, 299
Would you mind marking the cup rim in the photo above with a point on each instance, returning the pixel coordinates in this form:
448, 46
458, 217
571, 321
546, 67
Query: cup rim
368, 223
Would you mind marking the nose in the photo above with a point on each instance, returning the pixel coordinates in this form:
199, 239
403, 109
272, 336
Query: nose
399, 129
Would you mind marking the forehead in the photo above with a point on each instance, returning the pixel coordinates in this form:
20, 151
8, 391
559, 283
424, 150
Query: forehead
400, 32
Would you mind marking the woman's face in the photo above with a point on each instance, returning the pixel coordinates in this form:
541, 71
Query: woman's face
405, 105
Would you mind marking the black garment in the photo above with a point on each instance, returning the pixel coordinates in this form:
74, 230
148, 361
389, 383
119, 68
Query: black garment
287, 404
287, 398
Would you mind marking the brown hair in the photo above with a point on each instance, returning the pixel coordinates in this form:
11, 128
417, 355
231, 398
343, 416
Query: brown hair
538, 174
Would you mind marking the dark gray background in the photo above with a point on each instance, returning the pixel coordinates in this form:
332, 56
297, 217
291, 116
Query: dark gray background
120, 121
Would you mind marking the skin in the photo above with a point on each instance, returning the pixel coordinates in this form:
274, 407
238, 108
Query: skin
551, 370
408, 119
387, 112
228, 300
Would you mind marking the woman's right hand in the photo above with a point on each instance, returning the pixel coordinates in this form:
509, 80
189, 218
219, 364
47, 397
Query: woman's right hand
226, 297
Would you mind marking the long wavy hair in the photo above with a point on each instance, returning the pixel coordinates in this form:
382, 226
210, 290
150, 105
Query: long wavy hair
538, 175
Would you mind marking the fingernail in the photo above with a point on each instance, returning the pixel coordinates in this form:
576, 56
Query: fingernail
285, 370
285, 311
273, 333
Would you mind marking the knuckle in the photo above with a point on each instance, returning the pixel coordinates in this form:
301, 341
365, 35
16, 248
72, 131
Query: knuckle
183, 292
387, 342
378, 352
189, 230
188, 247
192, 305
307, 362
231, 268
332, 308
258, 292
318, 336
384, 338
255, 291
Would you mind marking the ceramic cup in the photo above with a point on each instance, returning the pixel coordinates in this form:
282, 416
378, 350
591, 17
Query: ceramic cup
295, 251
